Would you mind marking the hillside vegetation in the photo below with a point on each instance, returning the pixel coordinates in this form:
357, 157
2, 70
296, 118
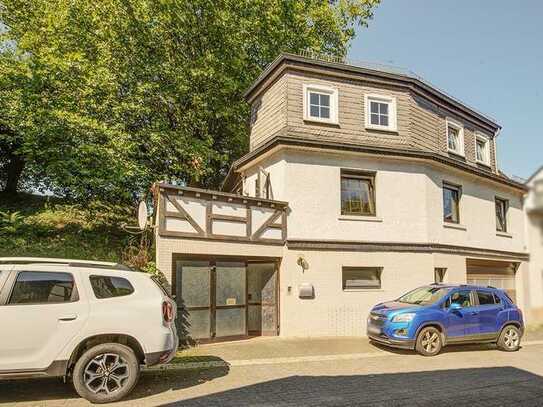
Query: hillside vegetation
38, 226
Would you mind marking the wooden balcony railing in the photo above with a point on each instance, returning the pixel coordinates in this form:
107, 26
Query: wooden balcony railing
198, 213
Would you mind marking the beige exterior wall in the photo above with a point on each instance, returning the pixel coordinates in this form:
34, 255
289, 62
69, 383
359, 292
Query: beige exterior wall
337, 312
409, 202
421, 123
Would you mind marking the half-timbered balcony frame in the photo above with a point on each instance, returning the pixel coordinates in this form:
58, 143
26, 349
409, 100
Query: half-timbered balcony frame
169, 207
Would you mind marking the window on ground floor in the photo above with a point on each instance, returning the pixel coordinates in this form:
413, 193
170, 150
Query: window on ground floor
356, 278
439, 275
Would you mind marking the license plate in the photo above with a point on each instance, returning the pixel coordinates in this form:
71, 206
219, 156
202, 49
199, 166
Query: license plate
374, 330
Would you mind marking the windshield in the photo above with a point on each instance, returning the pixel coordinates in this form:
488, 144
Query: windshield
424, 295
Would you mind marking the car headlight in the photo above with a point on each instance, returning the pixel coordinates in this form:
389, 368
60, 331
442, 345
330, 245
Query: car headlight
407, 317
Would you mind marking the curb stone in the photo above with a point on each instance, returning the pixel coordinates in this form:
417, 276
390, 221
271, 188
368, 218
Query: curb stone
294, 359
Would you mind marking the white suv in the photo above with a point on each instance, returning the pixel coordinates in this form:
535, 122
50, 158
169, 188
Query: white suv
95, 322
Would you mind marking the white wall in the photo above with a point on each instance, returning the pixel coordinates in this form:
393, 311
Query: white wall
409, 202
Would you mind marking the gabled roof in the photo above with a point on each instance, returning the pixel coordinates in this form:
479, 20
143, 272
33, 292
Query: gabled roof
397, 76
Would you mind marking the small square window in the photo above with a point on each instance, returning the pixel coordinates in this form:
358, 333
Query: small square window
358, 278
357, 193
482, 150
455, 138
501, 215
451, 203
439, 275
380, 112
320, 104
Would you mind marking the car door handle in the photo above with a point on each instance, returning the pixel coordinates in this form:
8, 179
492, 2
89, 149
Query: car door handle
68, 318
474, 313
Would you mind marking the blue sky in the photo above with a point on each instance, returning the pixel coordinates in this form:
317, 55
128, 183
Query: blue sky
487, 53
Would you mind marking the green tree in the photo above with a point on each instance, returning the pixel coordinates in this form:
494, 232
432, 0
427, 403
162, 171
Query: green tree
100, 99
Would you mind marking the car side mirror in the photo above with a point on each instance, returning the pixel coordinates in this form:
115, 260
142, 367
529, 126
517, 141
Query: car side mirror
455, 307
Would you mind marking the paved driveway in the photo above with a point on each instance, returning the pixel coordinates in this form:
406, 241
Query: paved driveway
460, 376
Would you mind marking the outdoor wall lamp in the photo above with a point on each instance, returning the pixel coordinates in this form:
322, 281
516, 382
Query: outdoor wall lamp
302, 262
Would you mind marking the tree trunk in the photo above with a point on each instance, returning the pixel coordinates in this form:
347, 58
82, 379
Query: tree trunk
14, 171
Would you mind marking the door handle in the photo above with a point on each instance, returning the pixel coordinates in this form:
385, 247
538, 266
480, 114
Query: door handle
68, 318
474, 313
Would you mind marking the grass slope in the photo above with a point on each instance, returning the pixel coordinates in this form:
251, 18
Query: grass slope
38, 226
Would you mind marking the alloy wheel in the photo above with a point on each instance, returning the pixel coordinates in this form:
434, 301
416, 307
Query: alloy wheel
430, 342
106, 373
511, 338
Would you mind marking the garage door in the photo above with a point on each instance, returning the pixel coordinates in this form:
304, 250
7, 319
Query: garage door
492, 273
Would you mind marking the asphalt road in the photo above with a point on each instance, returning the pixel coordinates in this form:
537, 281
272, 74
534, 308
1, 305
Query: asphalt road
474, 376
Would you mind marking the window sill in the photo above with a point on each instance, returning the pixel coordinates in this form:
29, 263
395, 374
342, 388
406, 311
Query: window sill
454, 226
457, 153
315, 120
383, 129
484, 164
360, 218
363, 290
504, 234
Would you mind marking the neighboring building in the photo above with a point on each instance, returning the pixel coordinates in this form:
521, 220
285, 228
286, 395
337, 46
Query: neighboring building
533, 205
361, 183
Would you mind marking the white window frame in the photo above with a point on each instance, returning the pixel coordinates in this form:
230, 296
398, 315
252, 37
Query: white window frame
334, 105
455, 125
392, 120
486, 140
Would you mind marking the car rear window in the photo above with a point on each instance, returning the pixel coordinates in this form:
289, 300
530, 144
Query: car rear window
110, 287
485, 298
43, 288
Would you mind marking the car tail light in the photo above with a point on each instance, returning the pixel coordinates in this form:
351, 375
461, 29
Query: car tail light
167, 311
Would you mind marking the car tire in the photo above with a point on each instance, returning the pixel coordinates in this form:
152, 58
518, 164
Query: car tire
429, 341
106, 373
509, 340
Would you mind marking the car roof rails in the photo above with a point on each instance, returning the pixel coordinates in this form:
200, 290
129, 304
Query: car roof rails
64, 262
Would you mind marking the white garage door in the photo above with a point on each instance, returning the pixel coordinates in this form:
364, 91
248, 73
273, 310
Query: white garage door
492, 273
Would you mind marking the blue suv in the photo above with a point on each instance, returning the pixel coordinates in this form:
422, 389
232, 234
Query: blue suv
430, 317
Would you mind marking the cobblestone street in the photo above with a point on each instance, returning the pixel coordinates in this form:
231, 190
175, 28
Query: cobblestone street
457, 377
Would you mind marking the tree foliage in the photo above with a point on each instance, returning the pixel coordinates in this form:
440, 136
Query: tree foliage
100, 99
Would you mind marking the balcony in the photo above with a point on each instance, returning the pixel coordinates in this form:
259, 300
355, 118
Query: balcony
185, 212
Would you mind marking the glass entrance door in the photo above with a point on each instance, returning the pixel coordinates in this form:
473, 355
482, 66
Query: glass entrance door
230, 294
211, 298
262, 298
193, 284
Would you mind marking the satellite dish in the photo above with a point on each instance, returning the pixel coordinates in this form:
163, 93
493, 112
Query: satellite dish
142, 215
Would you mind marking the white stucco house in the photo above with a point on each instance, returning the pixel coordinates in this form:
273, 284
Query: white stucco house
533, 205
360, 184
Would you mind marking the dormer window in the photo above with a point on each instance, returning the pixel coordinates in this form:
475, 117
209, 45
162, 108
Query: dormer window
380, 112
320, 104
455, 138
482, 149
